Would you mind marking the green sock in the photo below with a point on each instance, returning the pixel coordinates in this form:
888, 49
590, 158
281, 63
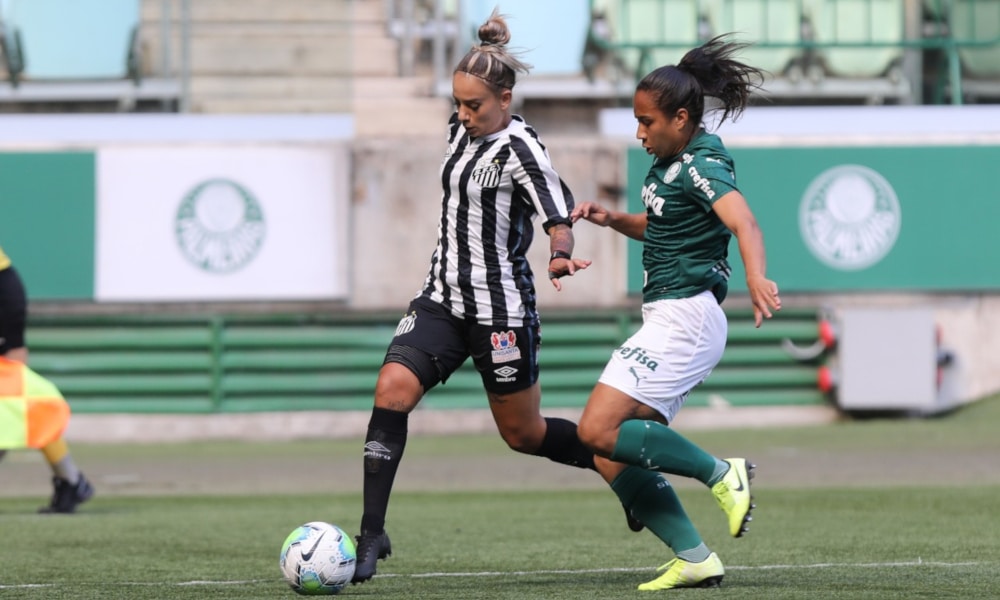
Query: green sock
656, 447
695, 555
652, 500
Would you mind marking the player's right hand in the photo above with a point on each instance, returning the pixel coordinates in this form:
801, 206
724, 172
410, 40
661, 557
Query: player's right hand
593, 212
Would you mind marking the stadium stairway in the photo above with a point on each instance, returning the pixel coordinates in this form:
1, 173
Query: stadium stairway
143, 364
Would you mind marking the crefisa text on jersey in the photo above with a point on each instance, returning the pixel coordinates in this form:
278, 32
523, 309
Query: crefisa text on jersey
639, 356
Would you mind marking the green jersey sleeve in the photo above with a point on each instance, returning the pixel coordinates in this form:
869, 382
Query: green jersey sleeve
708, 178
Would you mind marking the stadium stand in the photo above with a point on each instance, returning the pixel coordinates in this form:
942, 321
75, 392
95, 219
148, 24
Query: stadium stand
319, 56
861, 43
975, 29
650, 33
81, 50
876, 26
775, 25
848, 48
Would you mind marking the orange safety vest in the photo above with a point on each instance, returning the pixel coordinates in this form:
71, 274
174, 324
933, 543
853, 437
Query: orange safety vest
33, 413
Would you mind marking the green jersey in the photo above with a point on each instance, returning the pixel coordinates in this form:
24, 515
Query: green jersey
686, 244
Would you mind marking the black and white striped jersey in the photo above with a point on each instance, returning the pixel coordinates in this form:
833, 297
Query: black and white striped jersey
494, 187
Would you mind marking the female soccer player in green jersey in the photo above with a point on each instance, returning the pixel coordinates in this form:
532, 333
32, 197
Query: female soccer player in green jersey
693, 206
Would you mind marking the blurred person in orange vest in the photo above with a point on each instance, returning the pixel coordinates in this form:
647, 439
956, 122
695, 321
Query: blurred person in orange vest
33, 413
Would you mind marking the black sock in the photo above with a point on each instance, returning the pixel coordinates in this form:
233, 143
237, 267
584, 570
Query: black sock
383, 450
562, 445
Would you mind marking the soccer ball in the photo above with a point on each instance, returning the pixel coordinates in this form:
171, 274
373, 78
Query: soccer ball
317, 559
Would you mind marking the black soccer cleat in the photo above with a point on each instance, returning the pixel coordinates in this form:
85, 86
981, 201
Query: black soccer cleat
633, 523
371, 548
67, 496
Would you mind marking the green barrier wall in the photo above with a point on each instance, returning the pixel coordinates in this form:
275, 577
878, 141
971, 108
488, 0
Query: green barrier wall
282, 363
938, 200
47, 221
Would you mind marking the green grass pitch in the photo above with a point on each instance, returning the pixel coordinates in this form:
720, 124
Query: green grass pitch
874, 509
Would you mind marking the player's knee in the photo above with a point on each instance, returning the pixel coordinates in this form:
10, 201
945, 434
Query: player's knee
523, 438
596, 436
521, 444
398, 388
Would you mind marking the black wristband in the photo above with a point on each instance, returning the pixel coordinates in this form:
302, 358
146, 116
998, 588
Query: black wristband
560, 254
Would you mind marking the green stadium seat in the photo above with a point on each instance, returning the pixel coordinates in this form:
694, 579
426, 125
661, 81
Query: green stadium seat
763, 22
646, 34
976, 21
10, 45
72, 39
876, 22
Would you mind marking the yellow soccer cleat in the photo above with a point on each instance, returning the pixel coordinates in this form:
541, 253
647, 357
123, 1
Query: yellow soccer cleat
733, 495
682, 574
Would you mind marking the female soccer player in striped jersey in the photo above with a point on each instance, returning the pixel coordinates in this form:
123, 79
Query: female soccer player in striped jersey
478, 298
692, 208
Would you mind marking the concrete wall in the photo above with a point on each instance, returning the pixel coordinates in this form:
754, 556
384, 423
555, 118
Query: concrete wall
397, 203
264, 56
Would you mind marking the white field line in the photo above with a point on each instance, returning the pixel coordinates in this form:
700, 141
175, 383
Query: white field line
905, 564
916, 563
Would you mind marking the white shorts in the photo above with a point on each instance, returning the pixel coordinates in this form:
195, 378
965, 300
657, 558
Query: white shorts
678, 345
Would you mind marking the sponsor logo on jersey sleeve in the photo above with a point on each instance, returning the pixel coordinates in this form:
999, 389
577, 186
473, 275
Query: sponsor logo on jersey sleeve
701, 183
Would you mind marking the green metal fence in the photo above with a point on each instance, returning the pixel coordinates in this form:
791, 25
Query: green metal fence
228, 364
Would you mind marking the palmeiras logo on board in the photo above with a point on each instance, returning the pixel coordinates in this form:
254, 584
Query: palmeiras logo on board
219, 226
849, 217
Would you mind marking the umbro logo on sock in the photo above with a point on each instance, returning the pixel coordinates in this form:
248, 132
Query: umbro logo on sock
376, 450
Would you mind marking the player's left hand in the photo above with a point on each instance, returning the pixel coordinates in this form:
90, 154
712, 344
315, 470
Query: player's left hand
764, 295
561, 267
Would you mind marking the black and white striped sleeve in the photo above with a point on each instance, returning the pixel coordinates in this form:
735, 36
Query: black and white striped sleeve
533, 174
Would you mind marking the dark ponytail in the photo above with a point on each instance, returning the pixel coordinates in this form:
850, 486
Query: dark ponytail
708, 70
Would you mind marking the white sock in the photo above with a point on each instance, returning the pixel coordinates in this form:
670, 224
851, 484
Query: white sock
66, 469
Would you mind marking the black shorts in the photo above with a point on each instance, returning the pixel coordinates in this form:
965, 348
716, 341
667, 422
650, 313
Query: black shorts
506, 357
13, 311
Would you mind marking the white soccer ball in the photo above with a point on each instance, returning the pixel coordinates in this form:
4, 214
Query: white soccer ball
318, 559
